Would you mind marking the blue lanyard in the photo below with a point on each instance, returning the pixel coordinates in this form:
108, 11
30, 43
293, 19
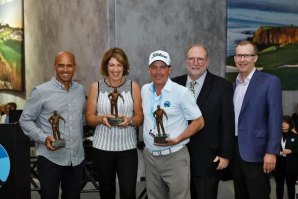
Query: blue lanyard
152, 103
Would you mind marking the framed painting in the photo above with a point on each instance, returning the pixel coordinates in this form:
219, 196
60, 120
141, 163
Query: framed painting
273, 26
11, 45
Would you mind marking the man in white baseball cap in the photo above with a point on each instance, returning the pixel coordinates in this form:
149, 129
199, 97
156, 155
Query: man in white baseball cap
167, 165
161, 56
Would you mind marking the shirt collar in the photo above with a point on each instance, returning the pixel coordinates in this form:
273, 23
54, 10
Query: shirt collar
59, 84
247, 79
199, 81
167, 86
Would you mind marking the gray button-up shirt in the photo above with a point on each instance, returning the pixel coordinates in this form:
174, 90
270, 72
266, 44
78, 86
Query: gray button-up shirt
70, 104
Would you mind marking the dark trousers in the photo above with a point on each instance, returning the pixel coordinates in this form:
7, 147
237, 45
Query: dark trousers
204, 187
280, 177
122, 163
51, 175
250, 182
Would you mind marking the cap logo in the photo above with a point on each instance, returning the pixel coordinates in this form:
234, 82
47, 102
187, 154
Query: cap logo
159, 55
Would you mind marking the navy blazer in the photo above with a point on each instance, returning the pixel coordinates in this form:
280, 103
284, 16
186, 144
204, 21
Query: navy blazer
217, 137
260, 119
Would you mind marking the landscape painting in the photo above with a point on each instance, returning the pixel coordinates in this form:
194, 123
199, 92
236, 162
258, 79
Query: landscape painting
11, 45
273, 26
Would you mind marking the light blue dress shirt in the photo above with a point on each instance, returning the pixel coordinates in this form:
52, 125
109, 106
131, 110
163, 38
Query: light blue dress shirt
239, 94
70, 104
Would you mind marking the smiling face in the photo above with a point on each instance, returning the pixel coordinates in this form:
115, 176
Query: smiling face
245, 59
119, 56
159, 73
197, 62
115, 69
64, 67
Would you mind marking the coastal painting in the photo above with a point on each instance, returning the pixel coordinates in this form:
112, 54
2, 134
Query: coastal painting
273, 26
11, 45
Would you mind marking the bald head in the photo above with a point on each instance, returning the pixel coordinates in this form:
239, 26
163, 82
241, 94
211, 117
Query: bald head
62, 54
65, 67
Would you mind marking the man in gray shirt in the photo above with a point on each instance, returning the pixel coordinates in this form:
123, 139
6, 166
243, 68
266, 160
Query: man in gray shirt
57, 165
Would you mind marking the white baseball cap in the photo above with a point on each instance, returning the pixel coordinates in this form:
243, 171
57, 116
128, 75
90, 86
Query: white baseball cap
160, 55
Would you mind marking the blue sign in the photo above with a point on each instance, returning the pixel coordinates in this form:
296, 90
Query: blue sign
4, 165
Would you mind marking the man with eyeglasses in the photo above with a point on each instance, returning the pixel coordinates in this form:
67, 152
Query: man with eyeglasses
212, 148
167, 165
258, 118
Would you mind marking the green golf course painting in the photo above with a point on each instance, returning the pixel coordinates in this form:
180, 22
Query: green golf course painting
11, 45
273, 26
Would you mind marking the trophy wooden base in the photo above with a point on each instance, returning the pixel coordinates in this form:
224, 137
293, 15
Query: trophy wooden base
160, 139
115, 121
58, 144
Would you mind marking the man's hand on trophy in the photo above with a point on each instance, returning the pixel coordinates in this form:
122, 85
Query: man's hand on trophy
48, 142
169, 142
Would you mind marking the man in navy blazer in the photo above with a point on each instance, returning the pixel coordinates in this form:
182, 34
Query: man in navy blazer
212, 147
258, 118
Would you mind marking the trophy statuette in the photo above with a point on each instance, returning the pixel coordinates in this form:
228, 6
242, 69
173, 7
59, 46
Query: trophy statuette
160, 138
54, 121
113, 96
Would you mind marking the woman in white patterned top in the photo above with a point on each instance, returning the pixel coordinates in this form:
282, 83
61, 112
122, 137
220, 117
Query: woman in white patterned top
114, 147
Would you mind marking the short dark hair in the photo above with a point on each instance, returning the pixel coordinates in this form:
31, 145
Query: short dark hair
289, 120
246, 42
12, 104
119, 55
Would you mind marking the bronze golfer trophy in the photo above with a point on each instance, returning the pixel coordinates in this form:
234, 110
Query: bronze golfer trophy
160, 138
113, 96
54, 121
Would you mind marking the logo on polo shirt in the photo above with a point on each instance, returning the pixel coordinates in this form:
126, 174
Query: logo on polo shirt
167, 104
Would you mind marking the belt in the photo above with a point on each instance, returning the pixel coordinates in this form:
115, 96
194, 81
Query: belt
166, 151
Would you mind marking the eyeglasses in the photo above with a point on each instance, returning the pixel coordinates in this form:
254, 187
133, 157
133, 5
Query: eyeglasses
199, 60
245, 56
